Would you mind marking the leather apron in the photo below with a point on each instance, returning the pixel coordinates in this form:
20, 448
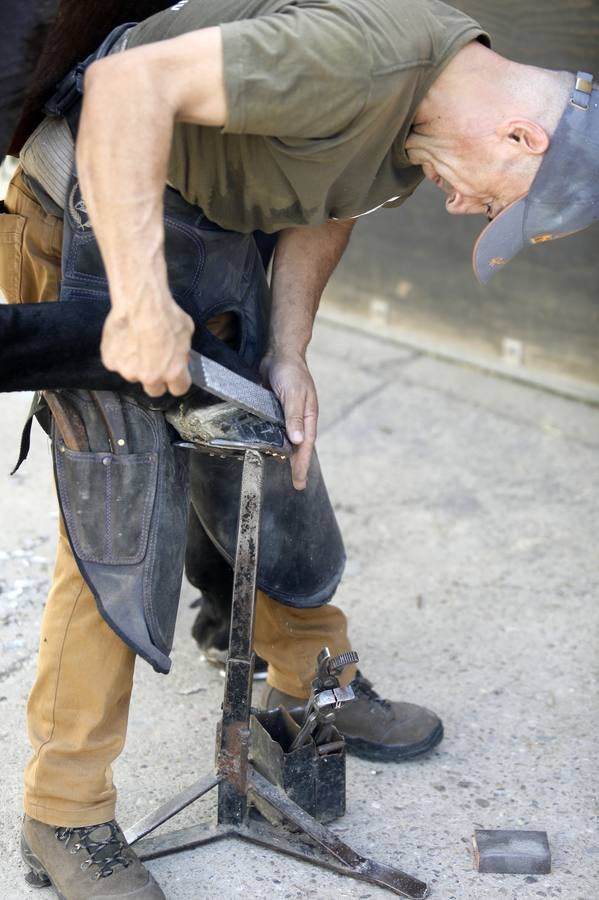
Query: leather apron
125, 497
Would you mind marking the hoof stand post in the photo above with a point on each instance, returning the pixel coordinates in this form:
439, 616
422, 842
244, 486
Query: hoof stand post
243, 791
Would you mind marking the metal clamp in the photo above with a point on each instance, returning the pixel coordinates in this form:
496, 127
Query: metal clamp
581, 93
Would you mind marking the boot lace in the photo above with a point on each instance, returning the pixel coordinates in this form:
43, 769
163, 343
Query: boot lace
106, 853
362, 687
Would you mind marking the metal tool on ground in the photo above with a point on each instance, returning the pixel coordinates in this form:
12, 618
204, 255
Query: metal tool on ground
508, 852
242, 789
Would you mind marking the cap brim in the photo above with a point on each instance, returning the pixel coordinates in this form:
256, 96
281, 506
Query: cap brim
500, 241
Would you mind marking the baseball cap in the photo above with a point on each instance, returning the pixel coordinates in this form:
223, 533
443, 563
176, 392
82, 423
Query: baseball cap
564, 196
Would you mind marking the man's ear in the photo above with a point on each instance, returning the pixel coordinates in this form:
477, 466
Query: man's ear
532, 138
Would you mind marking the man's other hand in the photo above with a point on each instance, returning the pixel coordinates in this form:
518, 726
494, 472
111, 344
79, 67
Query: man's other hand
151, 348
290, 379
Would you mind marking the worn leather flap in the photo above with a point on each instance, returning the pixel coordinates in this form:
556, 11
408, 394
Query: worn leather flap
124, 501
302, 556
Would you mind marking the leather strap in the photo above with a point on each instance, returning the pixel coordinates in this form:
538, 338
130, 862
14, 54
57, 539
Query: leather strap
581, 92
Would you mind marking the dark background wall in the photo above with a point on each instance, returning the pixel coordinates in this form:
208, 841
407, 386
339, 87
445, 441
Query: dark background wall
417, 258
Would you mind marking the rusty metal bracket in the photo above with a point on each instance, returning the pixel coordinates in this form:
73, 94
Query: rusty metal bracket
242, 790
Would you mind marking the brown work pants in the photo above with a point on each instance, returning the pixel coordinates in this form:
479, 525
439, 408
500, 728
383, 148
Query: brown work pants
78, 707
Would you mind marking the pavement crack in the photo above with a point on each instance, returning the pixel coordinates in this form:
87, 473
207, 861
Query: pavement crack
555, 431
349, 409
15, 667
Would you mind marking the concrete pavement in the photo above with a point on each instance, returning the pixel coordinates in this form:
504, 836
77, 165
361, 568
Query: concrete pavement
468, 506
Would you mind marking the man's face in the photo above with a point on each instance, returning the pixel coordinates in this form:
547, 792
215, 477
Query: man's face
478, 174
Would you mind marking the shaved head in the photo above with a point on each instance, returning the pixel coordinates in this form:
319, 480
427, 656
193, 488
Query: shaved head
482, 129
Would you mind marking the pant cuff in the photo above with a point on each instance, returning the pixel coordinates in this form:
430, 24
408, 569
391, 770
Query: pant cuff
73, 817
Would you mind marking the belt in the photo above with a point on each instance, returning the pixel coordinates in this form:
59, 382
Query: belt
47, 157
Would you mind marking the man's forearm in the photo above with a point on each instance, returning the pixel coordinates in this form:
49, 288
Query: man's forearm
131, 103
122, 157
305, 259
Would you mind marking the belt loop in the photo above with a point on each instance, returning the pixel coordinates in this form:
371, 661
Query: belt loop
581, 92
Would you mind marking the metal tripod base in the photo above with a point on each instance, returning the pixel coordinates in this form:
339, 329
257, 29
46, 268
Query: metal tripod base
310, 841
285, 826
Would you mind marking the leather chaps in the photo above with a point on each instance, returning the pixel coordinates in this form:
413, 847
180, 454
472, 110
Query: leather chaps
123, 484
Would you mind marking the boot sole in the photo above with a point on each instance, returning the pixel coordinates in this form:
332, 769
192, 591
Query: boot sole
383, 753
37, 877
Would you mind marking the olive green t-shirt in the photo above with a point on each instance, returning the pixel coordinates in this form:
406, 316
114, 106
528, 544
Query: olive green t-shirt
321, 95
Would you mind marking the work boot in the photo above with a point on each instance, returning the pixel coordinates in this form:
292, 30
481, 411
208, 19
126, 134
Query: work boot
93, 862
375, 729
210, 631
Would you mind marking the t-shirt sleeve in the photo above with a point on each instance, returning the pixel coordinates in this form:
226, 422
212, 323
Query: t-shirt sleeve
302, 71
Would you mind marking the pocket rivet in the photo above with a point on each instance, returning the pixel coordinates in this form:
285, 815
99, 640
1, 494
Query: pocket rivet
121, 442
106, 461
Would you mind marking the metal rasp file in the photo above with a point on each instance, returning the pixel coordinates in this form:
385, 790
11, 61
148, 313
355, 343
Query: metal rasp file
56, 346
222, 382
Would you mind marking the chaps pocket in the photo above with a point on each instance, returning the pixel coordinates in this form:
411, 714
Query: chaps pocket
107, 503
11, 255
